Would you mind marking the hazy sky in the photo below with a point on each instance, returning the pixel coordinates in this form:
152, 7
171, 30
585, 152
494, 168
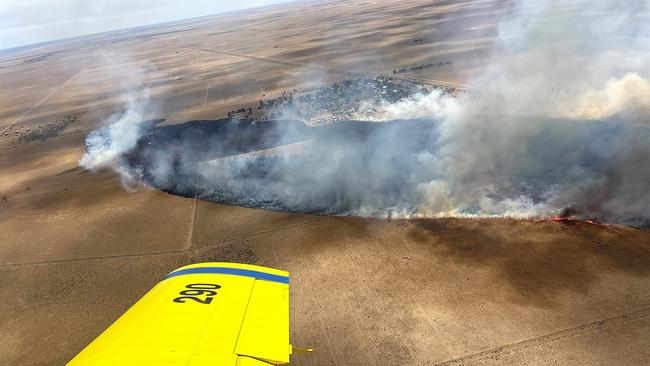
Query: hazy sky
31, 21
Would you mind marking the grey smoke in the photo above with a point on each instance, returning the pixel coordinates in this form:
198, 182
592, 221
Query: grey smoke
106, 147
559, 118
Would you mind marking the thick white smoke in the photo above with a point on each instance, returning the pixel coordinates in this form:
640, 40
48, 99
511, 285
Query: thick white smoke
558, 119
626, 98
555, 61
107, 146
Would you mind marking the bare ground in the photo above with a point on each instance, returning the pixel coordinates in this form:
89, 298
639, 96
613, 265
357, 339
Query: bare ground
77, 249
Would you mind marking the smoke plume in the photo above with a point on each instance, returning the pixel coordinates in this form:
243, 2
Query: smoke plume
559, 118
107, 146
557, 122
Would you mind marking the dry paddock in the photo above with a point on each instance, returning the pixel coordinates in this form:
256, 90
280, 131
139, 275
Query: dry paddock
77, 250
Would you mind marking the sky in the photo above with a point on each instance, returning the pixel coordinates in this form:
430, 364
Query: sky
24, 22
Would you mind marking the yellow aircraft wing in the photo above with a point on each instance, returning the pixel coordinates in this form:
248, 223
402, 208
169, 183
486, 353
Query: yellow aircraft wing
217, 314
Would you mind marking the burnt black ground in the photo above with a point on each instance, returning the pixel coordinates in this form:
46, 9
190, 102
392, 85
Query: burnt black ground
374, 168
